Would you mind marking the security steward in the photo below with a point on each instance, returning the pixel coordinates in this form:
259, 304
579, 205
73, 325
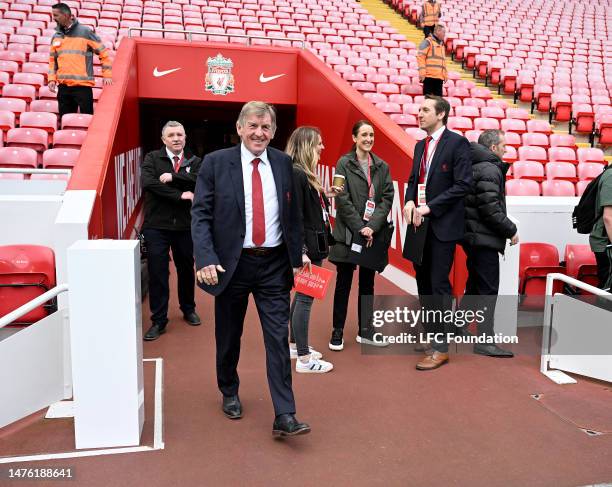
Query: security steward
431, 59
168, 179
71, 71
430, 15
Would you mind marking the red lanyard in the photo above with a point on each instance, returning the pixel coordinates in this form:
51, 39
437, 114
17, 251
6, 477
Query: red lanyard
370, 189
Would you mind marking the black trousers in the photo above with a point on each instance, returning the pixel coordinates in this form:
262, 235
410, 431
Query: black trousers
344, 280
435, 292
159, 243
482, 285
604, 268
427, 30
70, 99
269, 279
432, 86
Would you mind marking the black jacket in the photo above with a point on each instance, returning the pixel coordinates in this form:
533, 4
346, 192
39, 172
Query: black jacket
316, 234
164, 208
448, 182
486, 220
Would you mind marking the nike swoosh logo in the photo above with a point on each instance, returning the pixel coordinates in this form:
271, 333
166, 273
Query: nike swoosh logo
265, 79
157, 73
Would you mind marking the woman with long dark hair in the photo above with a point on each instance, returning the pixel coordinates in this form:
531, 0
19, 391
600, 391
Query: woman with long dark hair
362, 208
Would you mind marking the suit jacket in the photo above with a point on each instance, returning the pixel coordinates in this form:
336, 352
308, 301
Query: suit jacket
448, 181
218, 223
164, 209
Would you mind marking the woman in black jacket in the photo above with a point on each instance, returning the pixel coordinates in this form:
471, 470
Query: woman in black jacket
362, 209
304, 146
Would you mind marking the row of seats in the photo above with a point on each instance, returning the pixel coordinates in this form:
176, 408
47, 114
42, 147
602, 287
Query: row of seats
552, 187
26, 157
556, 170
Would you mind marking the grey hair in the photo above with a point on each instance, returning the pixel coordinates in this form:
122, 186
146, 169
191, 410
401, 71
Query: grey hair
259, 109
490, 137
171, 123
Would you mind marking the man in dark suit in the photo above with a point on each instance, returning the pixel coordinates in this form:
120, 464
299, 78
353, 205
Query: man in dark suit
168, 179
247, 238
441, 177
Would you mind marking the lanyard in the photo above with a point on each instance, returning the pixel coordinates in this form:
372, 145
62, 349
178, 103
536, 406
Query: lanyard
431, 149
370, 189
323, 209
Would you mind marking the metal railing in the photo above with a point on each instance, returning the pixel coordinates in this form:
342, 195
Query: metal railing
35, 303
23, 170
191, 33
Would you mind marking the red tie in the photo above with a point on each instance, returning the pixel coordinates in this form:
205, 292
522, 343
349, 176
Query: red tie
177, 163
423, 169
259, 217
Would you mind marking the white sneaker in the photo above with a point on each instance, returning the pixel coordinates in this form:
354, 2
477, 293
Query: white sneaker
314, 366
369, 341
313, 353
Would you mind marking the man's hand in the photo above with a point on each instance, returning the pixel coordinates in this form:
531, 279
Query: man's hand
368, 234
52, 86
208, 275
306, 263
515, 239
408, 211
107, 81
419, 213
166, 177
187, 195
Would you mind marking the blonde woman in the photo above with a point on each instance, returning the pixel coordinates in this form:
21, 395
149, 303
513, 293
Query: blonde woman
305, 146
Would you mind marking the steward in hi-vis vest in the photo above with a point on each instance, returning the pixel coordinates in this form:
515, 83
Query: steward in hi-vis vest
429, 16
431, 59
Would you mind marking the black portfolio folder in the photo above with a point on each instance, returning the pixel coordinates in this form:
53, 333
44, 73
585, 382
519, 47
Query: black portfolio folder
374, 257
414, 244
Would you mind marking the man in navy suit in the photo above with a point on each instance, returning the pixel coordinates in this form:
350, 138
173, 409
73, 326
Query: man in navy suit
247, 239
441, 177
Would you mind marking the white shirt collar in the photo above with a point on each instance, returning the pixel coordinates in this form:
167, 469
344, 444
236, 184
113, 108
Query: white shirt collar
247, 156
438, 133
171, 155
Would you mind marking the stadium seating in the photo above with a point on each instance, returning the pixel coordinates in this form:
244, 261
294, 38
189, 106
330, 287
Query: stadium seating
536, 261
26, 272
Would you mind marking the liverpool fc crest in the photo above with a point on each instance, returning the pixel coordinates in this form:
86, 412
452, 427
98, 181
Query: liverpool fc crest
219, 79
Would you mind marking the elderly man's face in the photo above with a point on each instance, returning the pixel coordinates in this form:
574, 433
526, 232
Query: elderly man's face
256, 133
174, 139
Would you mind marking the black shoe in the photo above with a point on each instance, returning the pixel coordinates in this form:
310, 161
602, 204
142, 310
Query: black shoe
492, 350
232, 407
336, 343
288, 425
154, 332
192, 318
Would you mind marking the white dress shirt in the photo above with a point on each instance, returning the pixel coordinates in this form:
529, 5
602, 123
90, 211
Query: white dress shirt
172, 155
433, 145
273, 229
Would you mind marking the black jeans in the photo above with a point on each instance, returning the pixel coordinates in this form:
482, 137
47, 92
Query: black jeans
72, 98
432, 86
482, 285
604, 268
159, 243
344, 279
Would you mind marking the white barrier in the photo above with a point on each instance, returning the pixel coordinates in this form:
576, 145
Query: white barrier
106, 342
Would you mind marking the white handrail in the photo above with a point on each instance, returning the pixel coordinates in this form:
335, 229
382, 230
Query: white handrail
218, 34
29, 306
547, 323
23, 170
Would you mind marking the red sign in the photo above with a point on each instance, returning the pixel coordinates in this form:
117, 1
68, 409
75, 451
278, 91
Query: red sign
313, 283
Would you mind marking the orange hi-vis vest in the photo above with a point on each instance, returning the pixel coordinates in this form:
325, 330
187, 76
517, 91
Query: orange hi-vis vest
71, 56
432, 59
431, 13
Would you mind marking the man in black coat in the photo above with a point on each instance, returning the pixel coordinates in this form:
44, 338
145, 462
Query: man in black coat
247, 236
441, 177
487, 227
168, 180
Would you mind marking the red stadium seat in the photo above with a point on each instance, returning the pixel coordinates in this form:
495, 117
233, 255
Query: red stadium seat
461, 124
580, 263
42, 120
561, 154
76, 121
32, 79
513, 125
49, 106
493, 112
561, 170
530, 153
18, 157
26, 272
522, 187
22, 92
589, 170
416, 133
472, 135
404, 120
486, 123
536, 261
71, 139
528, 170
517, 113
7, 120
541, 126
604, 129
562, 140
14, 105
33, 138
535, 139
510, 155
590, 155
60, 158
558, 187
